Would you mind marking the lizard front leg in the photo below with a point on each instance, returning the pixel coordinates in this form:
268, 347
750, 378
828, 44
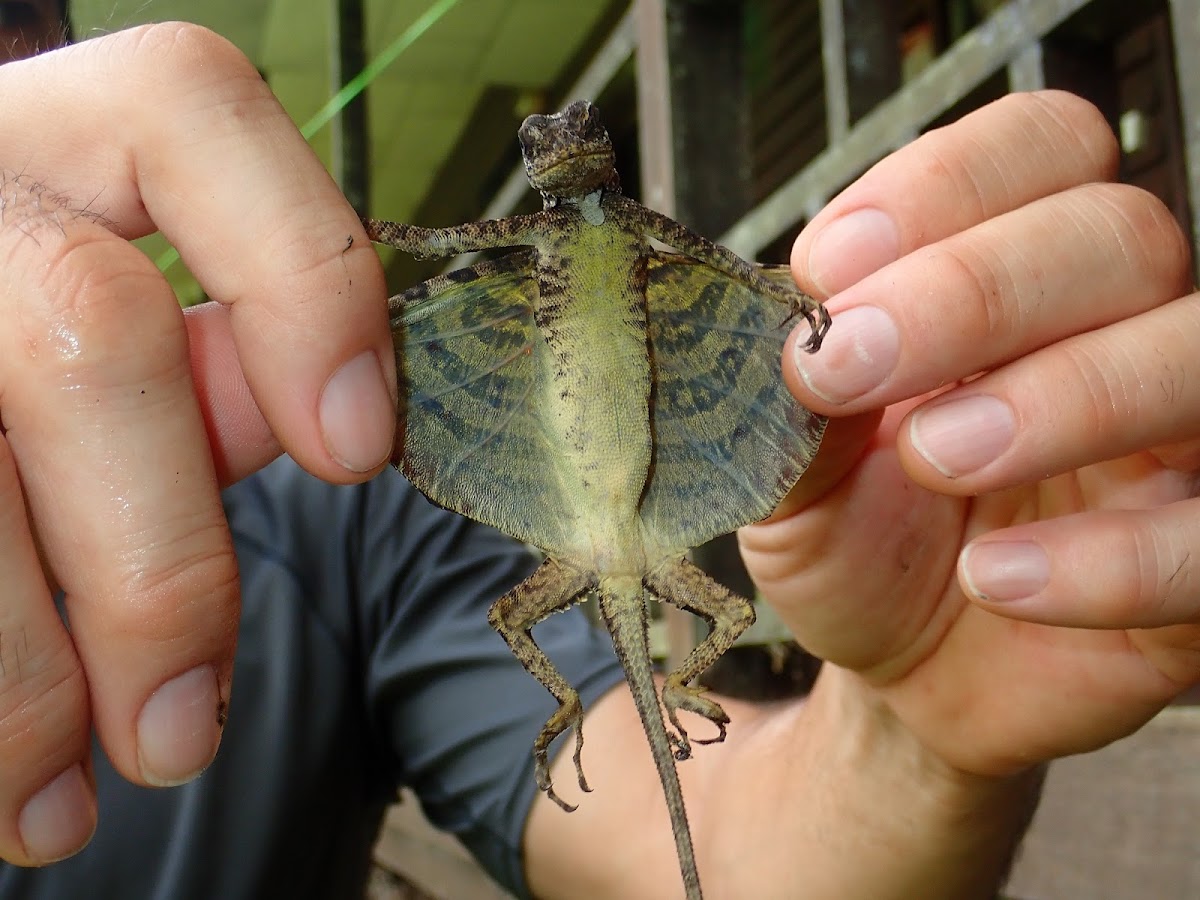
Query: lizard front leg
430, 243
688, 242
684, 585
552, 587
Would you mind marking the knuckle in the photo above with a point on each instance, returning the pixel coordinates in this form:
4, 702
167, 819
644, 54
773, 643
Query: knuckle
43, 703
318, 263
1163, 581
1075, 122
188, 52
1150, 237
90, 274
1098, 384
982, 287
40, 230
178, 589
34, 224
331, 261
946, 162
94, 298
202, 73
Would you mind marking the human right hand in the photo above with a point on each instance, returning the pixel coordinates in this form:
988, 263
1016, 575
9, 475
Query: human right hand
1018, 425
122, 417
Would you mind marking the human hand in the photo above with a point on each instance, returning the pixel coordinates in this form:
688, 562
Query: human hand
1007, 563
122, 417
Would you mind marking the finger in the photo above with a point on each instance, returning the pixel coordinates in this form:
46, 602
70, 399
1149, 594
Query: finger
238, 435
1056, 267
99, 410
992, 161
170, 127
1112, 569
1182, 456
47, 801
1112, 392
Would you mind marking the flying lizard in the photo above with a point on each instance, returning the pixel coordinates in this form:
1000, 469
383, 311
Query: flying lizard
609, 403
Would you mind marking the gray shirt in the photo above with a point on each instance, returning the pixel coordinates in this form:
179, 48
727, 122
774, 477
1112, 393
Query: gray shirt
364, 662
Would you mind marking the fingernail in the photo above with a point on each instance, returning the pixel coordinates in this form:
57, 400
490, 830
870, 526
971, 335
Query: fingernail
861, 350
1005, 570
960, 436
60, 818
178, 731
358, 418
852, 247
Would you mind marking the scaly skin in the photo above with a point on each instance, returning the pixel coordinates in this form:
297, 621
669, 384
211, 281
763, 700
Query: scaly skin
608, 403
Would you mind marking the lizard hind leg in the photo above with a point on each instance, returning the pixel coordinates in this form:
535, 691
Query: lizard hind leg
684, 585
552, 587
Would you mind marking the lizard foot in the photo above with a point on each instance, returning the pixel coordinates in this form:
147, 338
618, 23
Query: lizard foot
568, 716
818, 320
547, 786
677, 696
681, 747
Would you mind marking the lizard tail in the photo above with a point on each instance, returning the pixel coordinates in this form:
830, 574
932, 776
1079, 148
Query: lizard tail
623, 607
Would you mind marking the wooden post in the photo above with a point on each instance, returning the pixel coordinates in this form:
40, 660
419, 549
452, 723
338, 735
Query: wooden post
351, 154
1185, 26
658, 192
1026, 71
871, 49
693, 134
710, 117
654, 106
954, 74
710, 124
833, 61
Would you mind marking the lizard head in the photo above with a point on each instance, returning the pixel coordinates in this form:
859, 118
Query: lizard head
569, 153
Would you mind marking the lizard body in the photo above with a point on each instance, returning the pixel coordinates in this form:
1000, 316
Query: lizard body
608, 403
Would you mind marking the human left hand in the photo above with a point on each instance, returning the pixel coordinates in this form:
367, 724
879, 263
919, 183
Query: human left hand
121, 417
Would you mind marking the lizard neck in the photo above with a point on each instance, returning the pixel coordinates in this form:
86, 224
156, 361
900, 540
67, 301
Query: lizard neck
589, 207
612, 186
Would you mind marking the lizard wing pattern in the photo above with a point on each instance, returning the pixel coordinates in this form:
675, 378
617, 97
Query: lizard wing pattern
469, 368
721, 407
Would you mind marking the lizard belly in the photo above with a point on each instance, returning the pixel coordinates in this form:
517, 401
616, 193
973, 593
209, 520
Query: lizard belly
599, 412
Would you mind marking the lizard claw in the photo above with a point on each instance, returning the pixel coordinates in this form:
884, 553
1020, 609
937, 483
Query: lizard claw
562, 804
713, 740
542, 765
817, 317
578, 758
815, 314
546, 785
683, 741
681, 747
820, 327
